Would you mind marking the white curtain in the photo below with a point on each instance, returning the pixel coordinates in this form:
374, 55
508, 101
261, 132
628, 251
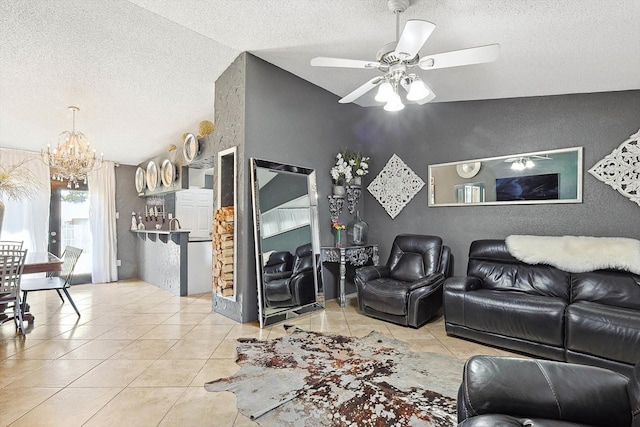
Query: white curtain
28, 219
102, 220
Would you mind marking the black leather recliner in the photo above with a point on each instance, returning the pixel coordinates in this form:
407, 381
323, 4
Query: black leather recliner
508, 391
408, 289
295, 287
278, 262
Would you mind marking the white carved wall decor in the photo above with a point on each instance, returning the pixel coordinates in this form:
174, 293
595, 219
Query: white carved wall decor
395, 186
621, 168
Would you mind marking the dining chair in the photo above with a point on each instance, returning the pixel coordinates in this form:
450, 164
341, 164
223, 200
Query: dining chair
57, 280
11, 244
11, 266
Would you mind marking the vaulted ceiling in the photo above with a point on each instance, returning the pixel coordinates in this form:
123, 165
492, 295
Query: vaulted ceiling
143, 71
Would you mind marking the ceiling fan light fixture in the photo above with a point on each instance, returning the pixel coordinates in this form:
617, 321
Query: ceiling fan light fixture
529, 163
385, 92
394, 103
417, 90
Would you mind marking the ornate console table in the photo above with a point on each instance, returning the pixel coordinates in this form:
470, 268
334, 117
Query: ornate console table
354, 255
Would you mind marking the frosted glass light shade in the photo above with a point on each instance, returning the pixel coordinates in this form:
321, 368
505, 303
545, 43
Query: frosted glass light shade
385, 92
394, 104
417, 91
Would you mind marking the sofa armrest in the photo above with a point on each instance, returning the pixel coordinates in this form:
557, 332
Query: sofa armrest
433, 279
463, 284
372, 272
543, 389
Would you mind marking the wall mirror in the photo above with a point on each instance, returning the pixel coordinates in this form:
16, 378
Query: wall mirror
287, 241
553, 176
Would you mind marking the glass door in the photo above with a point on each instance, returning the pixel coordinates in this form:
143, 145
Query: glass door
69, 226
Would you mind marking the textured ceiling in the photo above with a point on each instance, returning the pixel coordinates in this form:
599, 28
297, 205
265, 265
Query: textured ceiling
143, 71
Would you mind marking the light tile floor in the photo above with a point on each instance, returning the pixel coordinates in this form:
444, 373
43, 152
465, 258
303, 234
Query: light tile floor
139, 356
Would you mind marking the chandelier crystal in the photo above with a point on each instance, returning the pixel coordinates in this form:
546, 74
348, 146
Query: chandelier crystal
73, 158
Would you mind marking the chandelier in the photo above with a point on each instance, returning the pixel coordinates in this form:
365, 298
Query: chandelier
73, 158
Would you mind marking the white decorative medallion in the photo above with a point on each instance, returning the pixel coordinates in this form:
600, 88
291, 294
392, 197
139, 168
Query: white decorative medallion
621, 168
395, 186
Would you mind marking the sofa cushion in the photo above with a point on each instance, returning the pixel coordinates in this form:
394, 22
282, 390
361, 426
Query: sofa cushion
604, 331
510, 313
490, 261
613, 288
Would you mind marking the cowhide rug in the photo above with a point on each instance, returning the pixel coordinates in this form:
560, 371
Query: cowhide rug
315, 379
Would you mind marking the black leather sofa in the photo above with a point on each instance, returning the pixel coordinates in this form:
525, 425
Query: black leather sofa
507, 391
591, 318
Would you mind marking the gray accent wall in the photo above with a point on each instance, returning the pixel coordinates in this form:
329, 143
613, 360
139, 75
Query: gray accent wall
439, 133
127, 201
271, 114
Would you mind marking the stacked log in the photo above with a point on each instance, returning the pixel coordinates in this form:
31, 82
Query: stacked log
223, 229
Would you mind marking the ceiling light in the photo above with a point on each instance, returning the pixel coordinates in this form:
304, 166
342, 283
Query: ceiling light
73, 158
385, 92
418, 90
529, 164
394, 104
518, 165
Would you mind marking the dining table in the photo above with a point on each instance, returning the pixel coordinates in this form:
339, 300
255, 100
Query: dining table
41, 262
35, 262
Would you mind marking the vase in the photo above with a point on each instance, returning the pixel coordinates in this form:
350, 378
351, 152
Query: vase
357, 231
338, 190
356, 181
338, 238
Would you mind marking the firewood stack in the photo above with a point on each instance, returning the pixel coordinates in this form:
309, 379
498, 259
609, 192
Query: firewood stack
223, 227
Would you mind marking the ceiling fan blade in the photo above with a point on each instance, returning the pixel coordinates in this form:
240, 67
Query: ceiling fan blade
323, 61
362, 90
456, 58
413, 37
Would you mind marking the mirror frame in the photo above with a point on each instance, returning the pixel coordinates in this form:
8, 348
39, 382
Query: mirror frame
472, 164
285, 313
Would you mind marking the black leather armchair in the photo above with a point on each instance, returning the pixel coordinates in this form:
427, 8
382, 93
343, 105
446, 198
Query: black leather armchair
408, 290
295, 287
278, 262
508, 391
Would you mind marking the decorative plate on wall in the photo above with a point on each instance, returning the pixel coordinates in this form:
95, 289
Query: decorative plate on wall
141, 181
152, 175
190, 148
468, 170
167, 173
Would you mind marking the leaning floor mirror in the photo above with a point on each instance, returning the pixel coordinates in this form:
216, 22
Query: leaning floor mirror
287, 241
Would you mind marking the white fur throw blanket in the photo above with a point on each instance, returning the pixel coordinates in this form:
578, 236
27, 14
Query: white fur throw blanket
577, 254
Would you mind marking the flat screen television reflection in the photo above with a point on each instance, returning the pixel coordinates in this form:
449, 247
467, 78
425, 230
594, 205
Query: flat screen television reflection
528, 187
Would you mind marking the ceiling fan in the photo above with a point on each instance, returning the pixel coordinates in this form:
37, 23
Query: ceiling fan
396, 59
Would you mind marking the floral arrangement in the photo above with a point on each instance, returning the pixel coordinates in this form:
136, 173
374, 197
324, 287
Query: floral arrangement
349, 164
338, 225
359, 163
17, 182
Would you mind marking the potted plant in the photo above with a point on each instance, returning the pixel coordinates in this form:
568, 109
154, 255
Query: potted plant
17, 182
341, 174
359, 165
